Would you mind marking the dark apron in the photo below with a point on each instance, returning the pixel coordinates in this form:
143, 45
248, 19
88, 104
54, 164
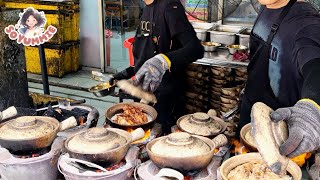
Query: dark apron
142, 40
258, 88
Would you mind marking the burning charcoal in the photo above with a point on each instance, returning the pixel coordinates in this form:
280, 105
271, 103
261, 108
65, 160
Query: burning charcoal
53, 113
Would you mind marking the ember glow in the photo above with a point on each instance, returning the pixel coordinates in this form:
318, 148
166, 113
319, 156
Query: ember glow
239, 148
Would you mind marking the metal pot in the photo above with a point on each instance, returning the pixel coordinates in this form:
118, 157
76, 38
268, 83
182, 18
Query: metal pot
99, 145
28, 133
293, 169
201, 124
118, 108
182, 151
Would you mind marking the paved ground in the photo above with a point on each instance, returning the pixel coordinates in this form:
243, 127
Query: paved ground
75, 85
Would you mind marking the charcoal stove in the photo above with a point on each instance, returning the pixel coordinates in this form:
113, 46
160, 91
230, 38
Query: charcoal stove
91, 120
40, 164
73, 171
149, 170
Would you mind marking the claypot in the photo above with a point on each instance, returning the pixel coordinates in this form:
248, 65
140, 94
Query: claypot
99, 145
216, 89
28, 133
219, 81
118, 108
214, 93
234, 91
247, 139
228, 106
182, 151
293, 169
228, 101
201, 124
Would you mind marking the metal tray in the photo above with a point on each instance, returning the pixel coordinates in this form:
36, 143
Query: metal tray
201, 25
224, 34
244, 36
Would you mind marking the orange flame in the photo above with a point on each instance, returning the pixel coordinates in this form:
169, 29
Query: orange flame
239, 148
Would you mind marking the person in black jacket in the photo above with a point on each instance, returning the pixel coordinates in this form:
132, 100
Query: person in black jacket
284, 71
165, 43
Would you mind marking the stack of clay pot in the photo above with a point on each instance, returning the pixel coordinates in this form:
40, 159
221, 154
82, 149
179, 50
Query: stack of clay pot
197, 92
220, 77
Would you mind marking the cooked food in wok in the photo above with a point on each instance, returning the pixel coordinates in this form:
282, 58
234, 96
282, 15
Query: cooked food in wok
255, 170
131, 116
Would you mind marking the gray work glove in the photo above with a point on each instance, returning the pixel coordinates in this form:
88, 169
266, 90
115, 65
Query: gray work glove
303, 120
151, 72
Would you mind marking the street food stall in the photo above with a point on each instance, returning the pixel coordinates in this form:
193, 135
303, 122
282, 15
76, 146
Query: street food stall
60, 139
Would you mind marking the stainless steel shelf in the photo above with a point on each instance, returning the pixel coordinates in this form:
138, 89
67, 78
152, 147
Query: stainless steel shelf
220, 58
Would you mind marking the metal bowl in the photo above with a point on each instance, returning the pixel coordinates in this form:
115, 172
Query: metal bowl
235, 47
101, 90
210, 46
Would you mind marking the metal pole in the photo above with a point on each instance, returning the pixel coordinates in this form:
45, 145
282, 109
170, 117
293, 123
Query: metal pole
44, 74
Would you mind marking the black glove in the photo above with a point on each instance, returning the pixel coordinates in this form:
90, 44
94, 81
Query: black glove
303, 120
124, 74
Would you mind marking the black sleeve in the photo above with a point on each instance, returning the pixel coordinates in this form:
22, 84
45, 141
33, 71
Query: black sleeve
182, 30
307, 44
191, 51
124, 74
311, 83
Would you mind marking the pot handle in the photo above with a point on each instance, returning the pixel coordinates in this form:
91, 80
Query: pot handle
137, 134
8, 113
219, 141
171, 173
68, 123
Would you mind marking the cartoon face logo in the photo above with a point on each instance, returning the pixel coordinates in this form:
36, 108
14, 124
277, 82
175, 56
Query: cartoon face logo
29, 30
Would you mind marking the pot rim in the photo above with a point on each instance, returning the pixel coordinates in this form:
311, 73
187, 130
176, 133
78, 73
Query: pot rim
254, 156
149, 110
121, 132
51, 120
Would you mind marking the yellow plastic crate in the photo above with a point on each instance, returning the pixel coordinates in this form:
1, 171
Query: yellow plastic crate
64, 16
60, 59
42, 5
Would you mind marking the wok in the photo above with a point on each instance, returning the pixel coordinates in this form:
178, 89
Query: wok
41, 140
118, 108
186, 163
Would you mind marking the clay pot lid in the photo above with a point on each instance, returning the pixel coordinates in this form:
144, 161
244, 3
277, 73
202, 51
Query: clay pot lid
180, 144
96, 140
28, 128
201, 124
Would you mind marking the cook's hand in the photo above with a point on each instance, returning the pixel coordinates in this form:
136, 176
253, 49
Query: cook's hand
151, 72
303, 120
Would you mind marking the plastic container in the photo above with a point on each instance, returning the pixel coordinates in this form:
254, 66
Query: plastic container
128, 44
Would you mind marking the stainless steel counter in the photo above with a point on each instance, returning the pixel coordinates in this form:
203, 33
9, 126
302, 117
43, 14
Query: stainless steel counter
220, 58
